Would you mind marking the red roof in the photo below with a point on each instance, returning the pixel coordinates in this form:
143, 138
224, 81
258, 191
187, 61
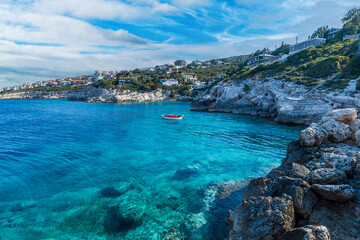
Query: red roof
190, 74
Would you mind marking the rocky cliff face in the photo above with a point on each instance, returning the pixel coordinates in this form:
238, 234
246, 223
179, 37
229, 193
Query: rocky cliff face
283, 101
314, 194
92, 94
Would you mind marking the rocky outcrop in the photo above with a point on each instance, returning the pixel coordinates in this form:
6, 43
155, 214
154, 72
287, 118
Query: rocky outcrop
93, 94
319, 179
282, 101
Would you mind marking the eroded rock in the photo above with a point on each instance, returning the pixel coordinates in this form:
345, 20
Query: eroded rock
337, 193
326, 176
262, 218
314, 135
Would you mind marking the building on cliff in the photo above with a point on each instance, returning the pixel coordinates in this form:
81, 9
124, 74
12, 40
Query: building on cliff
306, 44
261, 58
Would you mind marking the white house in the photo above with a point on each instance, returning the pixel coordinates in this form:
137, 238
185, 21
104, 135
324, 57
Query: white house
169, 82
306, 44
355, 36
189, 76
261, 58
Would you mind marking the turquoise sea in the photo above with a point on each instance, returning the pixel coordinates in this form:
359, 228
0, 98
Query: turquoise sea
75, 170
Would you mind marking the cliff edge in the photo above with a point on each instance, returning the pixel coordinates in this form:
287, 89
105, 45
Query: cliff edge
314, 194
282, 101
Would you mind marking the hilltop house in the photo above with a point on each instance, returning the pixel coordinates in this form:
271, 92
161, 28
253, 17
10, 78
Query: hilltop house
333, 32
189, 76
261, 58
169, 82
355, 36
306, 44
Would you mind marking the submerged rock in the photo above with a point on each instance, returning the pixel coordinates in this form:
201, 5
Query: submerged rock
182, 174
115, 222
110, 192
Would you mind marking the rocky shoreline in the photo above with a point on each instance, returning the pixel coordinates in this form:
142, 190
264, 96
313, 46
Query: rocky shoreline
282, 101
93, 94
315, 192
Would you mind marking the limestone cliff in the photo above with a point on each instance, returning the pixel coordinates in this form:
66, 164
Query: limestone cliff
285, 102
92, 94
315, 192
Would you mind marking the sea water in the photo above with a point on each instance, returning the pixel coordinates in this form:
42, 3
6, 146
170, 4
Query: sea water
75, 170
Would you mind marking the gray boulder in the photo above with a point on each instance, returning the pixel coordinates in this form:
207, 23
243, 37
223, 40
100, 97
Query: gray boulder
308, 232
261, 218
303, 198
314, 135
326, 176
259, 187
337, 131
354, 127
337, 193
299, 171
345, 115
341, 218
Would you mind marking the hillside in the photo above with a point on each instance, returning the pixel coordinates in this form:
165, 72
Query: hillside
311, 66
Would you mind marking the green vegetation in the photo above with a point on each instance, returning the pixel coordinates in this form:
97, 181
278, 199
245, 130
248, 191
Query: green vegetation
309, 66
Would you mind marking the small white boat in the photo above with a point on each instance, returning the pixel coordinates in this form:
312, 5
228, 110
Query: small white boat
172, 117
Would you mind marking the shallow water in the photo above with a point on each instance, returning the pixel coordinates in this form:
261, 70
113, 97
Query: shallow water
166, 176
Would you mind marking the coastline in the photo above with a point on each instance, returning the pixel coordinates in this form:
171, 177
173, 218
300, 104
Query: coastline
314, 193
284, 102
100, 95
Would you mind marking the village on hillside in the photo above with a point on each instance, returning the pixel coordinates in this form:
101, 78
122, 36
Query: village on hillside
196, 75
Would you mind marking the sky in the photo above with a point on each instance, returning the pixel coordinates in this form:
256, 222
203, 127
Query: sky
47, 39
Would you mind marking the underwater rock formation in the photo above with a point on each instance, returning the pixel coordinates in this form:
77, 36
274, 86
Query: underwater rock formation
315, 192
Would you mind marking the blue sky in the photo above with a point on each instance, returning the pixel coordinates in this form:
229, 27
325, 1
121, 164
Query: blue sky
45, 39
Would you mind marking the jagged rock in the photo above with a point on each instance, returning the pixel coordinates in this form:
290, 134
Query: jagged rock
337, 193
354, 127
314, 135
299, 171
357, 137
343, 160
303, 198
337, 131
308, 232
341, 218
262, 218
345, 115
326, 176
259, 187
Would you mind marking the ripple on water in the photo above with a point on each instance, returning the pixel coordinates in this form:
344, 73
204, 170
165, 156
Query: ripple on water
73, 170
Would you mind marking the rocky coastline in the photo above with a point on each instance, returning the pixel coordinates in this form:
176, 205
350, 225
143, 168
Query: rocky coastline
285, 102
314, 194
93, 94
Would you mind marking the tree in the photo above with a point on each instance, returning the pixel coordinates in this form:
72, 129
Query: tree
320, 32
353, 15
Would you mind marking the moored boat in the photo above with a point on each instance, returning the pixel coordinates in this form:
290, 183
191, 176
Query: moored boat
172, 117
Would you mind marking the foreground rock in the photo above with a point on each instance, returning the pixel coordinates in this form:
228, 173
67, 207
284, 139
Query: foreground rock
319, 179
282, 101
